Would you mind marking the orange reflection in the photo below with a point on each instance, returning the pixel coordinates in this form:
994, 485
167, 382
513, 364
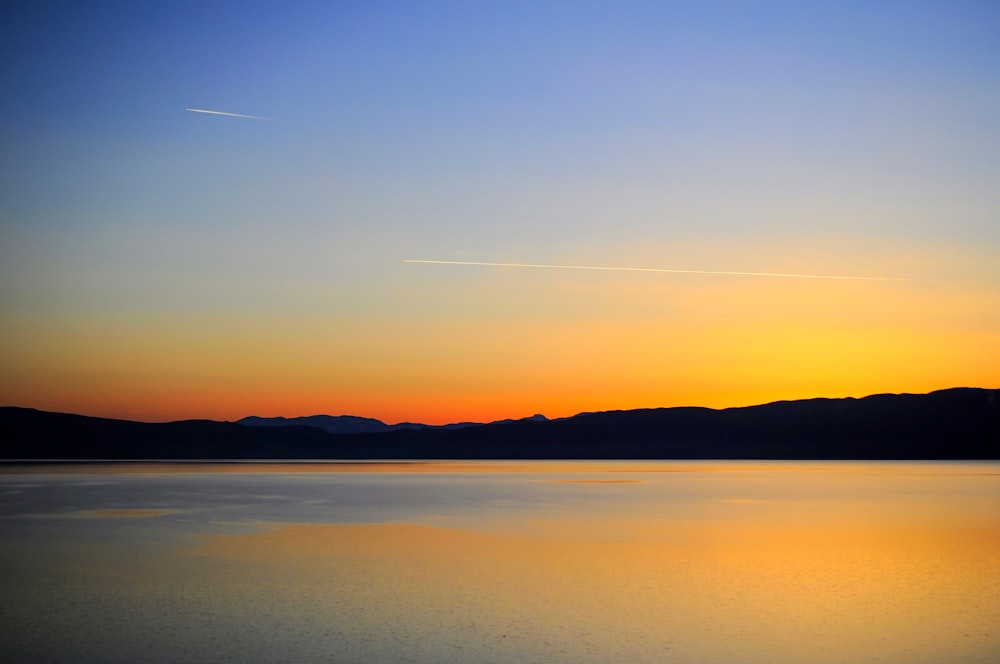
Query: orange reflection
697, 590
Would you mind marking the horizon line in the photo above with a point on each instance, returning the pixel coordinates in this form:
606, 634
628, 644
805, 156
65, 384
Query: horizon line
751, 404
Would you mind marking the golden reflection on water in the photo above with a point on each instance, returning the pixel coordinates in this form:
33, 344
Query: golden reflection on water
724, 562
805, 588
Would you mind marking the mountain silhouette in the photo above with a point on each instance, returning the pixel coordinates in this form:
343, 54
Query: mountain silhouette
958, 423
339, 424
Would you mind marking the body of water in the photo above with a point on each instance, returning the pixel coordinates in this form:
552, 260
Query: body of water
501, 562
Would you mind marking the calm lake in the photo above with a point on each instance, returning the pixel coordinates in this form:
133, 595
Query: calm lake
501, 562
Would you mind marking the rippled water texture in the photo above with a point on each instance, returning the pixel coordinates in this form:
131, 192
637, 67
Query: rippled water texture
501, 562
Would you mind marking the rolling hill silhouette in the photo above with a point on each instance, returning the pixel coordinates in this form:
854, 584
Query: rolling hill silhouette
958, 423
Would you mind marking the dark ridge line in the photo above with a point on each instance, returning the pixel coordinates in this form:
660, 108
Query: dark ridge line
951, 424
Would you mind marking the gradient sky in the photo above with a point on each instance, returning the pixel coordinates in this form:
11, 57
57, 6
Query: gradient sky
161, 264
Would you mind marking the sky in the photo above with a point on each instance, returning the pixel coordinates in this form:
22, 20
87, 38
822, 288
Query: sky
158, 263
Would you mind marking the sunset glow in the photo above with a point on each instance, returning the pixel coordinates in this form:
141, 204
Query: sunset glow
732, 207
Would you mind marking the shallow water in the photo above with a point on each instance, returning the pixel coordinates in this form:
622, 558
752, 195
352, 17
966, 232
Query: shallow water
501, 562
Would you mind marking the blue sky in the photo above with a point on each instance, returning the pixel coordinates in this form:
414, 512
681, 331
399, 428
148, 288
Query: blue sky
839, 137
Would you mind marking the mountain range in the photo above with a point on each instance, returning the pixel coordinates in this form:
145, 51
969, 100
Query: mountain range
957, 423
351, 424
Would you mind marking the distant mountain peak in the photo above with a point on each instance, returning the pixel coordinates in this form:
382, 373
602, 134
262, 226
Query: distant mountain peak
343, 424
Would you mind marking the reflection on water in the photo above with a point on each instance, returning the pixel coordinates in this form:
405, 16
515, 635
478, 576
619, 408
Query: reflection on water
502, 562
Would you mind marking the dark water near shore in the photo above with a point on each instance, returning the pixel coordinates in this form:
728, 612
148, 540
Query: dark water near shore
501, 562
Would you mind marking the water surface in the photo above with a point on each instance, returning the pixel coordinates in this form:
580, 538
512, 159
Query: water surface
501, 562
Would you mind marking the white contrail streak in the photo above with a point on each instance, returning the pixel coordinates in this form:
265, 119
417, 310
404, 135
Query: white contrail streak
233, 115
657, 269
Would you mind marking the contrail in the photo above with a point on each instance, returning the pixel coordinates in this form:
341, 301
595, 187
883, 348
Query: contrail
658, 269
233, 115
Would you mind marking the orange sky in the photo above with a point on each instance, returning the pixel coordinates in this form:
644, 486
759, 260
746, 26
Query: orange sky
160, 264
476, 343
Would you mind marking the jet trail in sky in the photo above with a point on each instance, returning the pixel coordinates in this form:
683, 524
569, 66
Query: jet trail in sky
233, 115
656, 269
